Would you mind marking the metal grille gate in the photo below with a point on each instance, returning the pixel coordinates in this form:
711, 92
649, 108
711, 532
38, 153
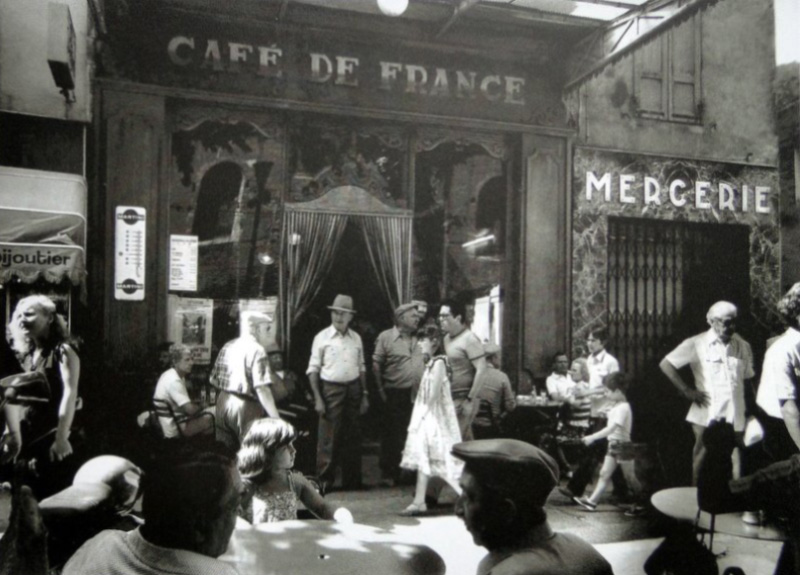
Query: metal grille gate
663, 276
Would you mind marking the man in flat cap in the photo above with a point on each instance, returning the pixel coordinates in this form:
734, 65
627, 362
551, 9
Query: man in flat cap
337, 375
397, 365
505, 484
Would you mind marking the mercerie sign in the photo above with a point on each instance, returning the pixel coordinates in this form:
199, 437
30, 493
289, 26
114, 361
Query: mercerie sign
346, 71
699, 195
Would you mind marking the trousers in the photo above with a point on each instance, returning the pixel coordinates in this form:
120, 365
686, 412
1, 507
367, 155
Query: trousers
339, 433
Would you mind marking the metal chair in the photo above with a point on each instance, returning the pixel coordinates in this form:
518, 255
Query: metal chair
162, 408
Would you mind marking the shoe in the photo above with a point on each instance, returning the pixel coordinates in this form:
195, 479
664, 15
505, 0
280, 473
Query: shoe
566, 493
414, 509
585, 503
635, 511
751, 518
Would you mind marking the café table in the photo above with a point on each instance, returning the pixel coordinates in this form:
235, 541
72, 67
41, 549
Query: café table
533, 417
681, 503
314, 546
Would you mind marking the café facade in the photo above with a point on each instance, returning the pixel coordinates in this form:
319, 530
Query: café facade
246, 162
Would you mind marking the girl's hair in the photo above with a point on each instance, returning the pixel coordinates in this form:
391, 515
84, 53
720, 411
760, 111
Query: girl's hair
59, 332
582, 366
617, 381
259, 445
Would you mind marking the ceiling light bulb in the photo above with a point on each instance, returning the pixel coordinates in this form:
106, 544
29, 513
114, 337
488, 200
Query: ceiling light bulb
393, 7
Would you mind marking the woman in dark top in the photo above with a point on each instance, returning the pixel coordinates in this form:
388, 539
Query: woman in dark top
42, 343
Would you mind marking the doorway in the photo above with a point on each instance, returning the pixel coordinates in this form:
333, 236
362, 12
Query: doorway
352, 274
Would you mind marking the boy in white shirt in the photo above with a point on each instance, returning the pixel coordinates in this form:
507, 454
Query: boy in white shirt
620, 449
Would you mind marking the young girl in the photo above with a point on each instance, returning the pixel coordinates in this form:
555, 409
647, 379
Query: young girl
434, 427
272, 488
620, 452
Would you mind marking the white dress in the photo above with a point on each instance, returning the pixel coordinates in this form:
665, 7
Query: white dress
433, 429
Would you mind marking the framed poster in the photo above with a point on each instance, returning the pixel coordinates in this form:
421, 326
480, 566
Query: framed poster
191, 323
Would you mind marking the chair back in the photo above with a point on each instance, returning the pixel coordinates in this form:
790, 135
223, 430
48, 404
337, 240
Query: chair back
163, 409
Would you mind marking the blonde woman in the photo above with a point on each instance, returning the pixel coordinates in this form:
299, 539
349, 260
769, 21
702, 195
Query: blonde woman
41, 341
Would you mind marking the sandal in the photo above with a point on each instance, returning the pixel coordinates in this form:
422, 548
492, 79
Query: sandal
414, 509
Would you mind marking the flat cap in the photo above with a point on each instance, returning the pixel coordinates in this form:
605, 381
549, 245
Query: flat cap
536, 468
401, 309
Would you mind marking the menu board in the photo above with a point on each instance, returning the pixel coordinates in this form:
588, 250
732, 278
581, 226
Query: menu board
183, 257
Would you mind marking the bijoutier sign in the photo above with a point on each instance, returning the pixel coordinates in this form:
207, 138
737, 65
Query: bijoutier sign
646, 190
347, 71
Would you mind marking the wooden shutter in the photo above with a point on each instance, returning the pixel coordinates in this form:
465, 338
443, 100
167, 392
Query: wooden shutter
684, 84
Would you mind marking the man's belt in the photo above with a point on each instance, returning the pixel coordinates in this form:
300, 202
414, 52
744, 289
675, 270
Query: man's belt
356, 380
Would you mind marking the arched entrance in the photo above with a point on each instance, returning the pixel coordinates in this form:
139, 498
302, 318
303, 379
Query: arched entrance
366, 241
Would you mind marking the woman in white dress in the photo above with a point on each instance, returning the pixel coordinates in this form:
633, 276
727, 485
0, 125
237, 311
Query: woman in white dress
434, 426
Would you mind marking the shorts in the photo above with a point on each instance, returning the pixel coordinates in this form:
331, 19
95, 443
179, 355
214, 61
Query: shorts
622, 450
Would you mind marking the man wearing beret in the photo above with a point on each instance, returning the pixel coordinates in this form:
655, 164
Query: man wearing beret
397, 365
505, 484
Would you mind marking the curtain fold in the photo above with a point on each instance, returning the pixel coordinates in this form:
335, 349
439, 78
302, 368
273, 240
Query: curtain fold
388, 245
310, 240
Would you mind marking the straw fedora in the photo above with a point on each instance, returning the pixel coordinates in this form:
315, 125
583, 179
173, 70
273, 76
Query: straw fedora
343, 303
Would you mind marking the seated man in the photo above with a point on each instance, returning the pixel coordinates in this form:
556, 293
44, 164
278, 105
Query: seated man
284, 381
171, 388
505, 485
496, 397
190, 499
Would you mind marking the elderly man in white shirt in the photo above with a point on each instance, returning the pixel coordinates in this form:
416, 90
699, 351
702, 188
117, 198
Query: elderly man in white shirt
337, 375
720, 361
777, 391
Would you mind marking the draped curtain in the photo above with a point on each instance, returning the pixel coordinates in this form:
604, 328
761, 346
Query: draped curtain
388, 240
310, 240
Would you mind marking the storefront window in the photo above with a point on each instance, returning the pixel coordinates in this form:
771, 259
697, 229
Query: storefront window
460, 214
226, 190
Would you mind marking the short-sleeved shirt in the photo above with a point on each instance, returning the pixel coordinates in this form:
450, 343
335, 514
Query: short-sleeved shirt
720, 371
621, 417
461, 351
562, 554
600, 365
780, 374
241, 367
559, 386
399, 358
337, 357
171, 388
497, 392
114, 552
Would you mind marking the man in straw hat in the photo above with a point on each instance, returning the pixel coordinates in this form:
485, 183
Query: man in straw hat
241, 374
397, 365
337, 374
505, 484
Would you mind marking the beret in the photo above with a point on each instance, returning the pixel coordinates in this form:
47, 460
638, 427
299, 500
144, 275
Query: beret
401, 309
491, 349
539, 469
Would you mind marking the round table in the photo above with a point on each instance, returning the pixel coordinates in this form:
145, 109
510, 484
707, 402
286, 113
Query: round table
681, 503
315, 546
